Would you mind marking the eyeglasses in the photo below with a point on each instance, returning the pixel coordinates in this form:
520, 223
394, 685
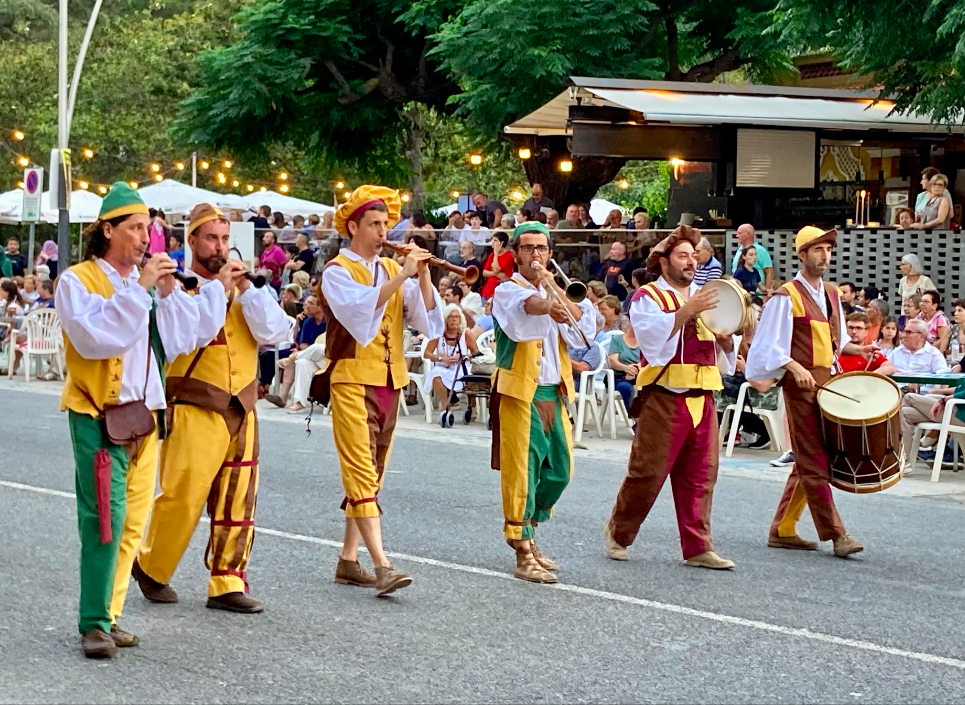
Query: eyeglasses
529, 249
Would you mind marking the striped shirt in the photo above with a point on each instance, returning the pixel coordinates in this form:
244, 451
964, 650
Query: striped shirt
710, 269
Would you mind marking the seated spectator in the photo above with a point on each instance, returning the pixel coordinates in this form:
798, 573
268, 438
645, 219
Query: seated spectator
452, 236
470, 299
596, 292
934, 318
888, 337
291, 300
936, 212
28, 292
876, 311
913, 280
397, 232
499, 264
446, 352
445, 284
956, 332
485, 321
848, 294
916, 354
303, 280
616, 266
508, 222
453, 295
176, 249
43, 271
613, 315
287, 234
904, 218
746, 273
552, 219
586, 221
419, 226
582, 358
639, 219
309, 357
614, 220
910, 308
625, 361
476, 232
572, 220
467, 253
870, 361
866, 295
12, 305
639, 277
708, 266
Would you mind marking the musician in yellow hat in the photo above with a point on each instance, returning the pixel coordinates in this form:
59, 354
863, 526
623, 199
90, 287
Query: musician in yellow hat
681, 362
368, 299
211, 454
801, 329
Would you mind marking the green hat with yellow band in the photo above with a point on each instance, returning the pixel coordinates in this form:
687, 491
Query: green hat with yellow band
122, 200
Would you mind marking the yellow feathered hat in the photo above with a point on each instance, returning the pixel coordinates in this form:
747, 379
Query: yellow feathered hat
363, 198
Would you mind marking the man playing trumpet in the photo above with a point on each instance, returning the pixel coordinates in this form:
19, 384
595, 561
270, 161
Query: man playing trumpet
211, 454
533, 382
368, 299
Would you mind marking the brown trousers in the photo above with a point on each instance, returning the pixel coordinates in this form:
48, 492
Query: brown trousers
809, 482
666, 443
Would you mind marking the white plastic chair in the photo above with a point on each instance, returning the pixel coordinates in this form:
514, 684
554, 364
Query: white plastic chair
773, 420
44, 340
586, 396
485, 340
613, 405
943, 428
419, 379
290, 344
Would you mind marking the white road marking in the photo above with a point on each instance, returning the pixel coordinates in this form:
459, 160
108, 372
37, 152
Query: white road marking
599, 594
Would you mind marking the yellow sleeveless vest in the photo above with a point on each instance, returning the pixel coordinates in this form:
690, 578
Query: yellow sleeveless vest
229, 362
101, 379
370, 364
517, 365
680, 373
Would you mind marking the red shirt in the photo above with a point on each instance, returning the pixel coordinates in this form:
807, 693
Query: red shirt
856, 363
505, 265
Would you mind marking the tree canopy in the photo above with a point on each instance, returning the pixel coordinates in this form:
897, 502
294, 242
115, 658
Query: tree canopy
912, 50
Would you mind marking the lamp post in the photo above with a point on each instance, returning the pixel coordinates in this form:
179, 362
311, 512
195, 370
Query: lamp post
60, 160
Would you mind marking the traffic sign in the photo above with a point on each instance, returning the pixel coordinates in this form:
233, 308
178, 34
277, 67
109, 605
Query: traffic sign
33, 186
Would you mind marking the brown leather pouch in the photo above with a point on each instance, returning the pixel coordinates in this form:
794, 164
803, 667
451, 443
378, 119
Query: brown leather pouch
126, 423
320, 390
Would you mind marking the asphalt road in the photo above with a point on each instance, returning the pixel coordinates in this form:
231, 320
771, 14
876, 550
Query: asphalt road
783, 627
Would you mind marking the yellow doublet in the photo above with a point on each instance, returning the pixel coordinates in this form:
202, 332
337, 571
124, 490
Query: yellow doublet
209, 458
822, 349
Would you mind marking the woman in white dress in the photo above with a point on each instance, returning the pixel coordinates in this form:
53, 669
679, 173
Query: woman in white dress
444, 352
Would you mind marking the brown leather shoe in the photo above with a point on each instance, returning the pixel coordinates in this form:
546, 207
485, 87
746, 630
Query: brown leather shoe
711, 560
97, 644
123, 639
545, 561
235, 602
388, 580
793, 542
276, 400
151, 588
529, 570
845, 545
611, 548
352, 573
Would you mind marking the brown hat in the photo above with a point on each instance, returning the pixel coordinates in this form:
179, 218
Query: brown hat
201, 214
682, 233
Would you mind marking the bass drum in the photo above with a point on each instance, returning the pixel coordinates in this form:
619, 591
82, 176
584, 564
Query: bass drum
730, 314
863, 437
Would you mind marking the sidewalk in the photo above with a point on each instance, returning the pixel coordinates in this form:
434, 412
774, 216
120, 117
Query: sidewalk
753, 464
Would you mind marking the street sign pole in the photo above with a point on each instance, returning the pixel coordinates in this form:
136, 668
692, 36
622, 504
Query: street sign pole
63, 220
33, 187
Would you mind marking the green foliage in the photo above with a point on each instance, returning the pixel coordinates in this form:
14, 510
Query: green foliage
913, 50
511, 56
648, 187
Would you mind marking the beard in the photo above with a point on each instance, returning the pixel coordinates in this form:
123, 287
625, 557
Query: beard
681, 277
212, 264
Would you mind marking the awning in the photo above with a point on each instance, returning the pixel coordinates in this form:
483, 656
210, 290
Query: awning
709, 104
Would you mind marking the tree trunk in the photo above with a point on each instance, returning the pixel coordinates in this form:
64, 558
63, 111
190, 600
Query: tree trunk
415, 133
564, 188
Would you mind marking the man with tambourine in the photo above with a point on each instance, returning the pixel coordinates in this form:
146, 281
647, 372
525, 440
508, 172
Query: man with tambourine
676, 435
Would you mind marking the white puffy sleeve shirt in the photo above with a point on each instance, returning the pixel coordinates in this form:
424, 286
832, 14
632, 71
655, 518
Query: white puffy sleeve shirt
354, 304
508, 301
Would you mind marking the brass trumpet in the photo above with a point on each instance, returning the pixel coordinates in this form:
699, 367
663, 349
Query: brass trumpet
575, 291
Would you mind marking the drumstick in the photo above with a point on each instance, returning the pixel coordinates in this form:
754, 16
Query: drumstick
827, 389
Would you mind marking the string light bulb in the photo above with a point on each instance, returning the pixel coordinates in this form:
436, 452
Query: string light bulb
339, 184
23, 161
20, 184
159, 178
222, 178
454, 194
405, 198
517, 195
525, 153
250, 188
179, 166
18, 135
204, 164
475, 159
234, 183
624, 184
227, 163
155, 168
88, 153
263, 189
102, 189
83, 184
283, 176
133, 184
283, 188
347, 195
566, 166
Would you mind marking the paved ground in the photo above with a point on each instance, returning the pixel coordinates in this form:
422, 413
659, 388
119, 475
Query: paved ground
783, 627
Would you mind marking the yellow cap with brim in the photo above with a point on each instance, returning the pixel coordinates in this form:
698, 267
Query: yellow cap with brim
810, 235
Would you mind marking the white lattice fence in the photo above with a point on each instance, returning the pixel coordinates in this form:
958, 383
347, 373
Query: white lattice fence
870, 257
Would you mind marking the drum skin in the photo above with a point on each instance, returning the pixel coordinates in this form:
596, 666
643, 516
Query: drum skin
730, 314
863, 439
